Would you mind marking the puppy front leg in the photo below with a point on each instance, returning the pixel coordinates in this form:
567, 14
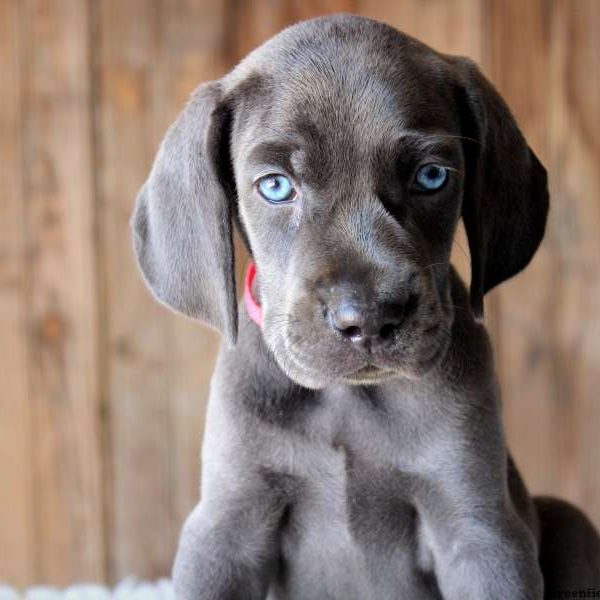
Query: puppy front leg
228, 548
481, 546
494, 561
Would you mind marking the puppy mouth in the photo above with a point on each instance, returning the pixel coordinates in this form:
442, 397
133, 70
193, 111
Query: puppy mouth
316, 360
367, 371
364, 375
369, 374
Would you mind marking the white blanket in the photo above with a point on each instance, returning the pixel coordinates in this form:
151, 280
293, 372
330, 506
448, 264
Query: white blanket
128, 589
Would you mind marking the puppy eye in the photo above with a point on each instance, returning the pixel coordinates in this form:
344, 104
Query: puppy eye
431, 177
275, 188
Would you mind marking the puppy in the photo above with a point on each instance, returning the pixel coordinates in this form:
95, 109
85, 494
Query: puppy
354, 446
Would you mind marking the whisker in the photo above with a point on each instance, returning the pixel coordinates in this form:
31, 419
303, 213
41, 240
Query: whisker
453, 136
430, 266
455, 306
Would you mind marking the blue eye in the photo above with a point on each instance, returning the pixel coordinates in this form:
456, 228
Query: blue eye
431, 177
276, 188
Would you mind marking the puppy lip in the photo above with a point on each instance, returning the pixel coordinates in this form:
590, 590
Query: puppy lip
367, 369
368, 373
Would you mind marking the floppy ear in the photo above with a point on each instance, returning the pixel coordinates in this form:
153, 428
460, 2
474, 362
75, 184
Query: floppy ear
505, 202
182, 223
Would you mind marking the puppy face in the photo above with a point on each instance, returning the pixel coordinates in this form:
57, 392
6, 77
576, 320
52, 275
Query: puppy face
350, 199
348, 152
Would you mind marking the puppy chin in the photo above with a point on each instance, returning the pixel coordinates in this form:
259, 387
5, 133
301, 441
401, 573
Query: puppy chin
314, 377
318, 379
302, 376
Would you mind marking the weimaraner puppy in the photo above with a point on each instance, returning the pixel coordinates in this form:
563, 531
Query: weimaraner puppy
354, 447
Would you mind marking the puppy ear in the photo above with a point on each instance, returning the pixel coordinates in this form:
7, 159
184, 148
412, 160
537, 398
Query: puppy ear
505, 201
182, 222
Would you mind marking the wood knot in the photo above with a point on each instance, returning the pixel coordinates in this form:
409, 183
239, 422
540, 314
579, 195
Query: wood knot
52, 328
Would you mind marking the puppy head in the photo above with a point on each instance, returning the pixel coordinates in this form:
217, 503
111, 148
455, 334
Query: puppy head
348, 151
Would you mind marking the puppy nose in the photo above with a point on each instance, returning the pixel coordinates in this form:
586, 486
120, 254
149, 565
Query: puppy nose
364, 325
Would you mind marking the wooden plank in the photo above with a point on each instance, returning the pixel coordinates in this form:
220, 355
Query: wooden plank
526, 352
456, 27
16, 500
62, 326
573, 159
255, 21
136, 345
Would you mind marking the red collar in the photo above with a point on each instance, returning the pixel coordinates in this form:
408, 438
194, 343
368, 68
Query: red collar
252, 306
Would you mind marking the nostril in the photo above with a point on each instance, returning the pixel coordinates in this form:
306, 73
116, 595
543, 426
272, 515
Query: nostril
388, 331
351, 332
348, 320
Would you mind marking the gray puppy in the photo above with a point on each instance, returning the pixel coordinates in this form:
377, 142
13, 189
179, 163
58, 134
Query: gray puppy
354, 446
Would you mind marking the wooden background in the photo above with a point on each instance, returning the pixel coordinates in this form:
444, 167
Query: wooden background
102, 392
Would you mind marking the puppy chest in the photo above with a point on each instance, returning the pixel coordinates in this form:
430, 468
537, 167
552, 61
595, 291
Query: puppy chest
354, 529
368, 503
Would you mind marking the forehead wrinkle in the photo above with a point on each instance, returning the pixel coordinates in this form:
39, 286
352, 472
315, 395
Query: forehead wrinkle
414, 145
338, 122
339, 98
429, 139
276, 153
355, 103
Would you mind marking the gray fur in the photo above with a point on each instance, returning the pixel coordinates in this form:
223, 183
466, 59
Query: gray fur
333, 469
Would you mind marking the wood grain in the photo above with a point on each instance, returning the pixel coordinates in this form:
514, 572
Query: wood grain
255, 21
456, 27
573, 140
526, 354
16, 492
136, 341
61, 303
